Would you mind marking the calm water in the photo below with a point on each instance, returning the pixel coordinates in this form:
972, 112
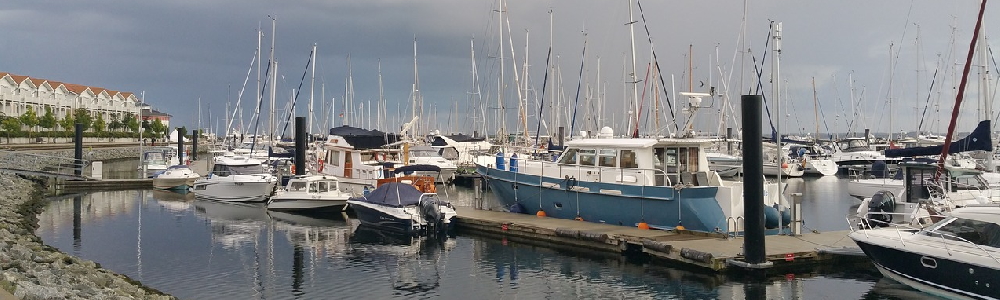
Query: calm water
208, 250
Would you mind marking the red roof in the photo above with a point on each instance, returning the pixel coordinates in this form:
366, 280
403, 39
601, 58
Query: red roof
76, 88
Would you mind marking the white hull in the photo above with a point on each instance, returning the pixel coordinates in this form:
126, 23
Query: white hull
283, 203
864, 188
234, 190
823, 167
170, 183
791, 170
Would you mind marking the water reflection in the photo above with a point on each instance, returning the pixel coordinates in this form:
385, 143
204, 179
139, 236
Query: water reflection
202, 249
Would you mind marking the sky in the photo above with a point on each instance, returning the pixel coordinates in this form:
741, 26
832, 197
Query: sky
179, 53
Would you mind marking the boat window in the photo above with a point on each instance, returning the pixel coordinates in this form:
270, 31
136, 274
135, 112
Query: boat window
607, 158
423, 153
220, 170
569, 158
682, 161
670, 161
693, 159
587, 157
246, 170
449, 153
323, 187
313, 187
975, 231
297, 186
628, 159
334, 158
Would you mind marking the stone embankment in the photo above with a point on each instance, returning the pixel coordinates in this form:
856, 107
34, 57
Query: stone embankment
33, 270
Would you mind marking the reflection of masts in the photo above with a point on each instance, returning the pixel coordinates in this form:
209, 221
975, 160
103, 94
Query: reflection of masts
138, 239
297, 270
77, 222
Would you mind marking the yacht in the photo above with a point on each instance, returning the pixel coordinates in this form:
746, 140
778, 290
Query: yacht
340, 159
405, 205
426, 155
957, 257
235, 179
177, 177
309, 193
157, 159
662, 182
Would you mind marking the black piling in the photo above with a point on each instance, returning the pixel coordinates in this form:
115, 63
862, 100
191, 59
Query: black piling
753, 168
78, 150
194, 145
300, 145
867, 131
180, 146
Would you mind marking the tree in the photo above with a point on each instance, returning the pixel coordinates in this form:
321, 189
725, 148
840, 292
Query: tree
29, 118
115, 123
131, 122
82, 116
10, 125
158, 128
67, 123
99, 124
47, 121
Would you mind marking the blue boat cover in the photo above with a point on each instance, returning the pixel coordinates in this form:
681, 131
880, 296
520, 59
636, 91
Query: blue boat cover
393, 194
979, 139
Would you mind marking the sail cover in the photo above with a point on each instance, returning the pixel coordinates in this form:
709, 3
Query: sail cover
393, 194
979, 139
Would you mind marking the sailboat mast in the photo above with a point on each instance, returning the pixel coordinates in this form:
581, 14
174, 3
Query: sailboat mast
312, 90
381, 98
815, 111
777, 96
274, 81
635, 82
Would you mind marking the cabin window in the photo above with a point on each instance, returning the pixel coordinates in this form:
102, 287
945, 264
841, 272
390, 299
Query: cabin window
670, 160
607, 158
297, 186
693, 159
323, 187
587, 157
334, 158
628, 159
220, 170
313, 187
568, 158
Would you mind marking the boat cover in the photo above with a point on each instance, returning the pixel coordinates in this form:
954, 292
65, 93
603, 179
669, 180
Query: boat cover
979, 139
364, 139
415, 168
393, 194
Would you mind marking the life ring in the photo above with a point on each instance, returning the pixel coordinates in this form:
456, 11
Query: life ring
293, 169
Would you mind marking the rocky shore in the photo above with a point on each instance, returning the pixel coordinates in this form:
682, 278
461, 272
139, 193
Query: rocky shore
33, 270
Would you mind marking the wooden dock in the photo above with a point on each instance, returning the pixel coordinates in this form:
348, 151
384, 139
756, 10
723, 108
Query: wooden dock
703, 250
91, 185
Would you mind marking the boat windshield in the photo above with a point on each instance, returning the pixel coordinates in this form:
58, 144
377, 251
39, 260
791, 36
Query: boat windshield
423, 153
975, 231
297, 185
246, 170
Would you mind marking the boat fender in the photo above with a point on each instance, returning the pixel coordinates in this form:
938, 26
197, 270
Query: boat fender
770, 217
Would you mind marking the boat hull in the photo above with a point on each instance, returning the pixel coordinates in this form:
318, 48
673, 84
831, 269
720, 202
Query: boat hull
821, 167
234, 191
395, 219
953, 274
694, 207
281, 203
170, 183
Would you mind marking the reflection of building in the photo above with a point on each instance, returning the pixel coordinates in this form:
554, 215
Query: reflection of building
92, 207
17, 93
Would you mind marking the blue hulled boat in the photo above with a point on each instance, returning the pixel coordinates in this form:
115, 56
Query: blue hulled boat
664, 183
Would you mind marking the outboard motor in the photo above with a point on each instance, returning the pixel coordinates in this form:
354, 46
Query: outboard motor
432, 213
880, 209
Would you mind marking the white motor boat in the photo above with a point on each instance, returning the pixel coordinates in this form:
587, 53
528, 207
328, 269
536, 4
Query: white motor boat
177, 177
157, 159
309, 192
955, 258
426, 155
237, 179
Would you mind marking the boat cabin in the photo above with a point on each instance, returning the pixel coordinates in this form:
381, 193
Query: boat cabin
918, 180
343, 160
661, 162
225, 166
312, 185
854, 144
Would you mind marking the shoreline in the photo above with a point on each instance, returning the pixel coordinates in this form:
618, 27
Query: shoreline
34, 270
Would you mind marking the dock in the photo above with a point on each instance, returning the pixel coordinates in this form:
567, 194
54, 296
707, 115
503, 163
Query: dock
708, 251
94, 184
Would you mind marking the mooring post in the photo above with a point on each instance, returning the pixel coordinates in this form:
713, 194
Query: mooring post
868, 142
477, 187
562, 136
300, 145
729, 140
180, 146
753, 193
194, 145
78, 150
796, 213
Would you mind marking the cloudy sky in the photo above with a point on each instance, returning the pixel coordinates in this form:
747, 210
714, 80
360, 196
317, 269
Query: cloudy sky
177, 51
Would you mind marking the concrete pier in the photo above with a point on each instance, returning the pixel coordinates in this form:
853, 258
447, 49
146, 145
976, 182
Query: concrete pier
703, 250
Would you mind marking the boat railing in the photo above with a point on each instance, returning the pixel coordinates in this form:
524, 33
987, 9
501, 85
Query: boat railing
734, 224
